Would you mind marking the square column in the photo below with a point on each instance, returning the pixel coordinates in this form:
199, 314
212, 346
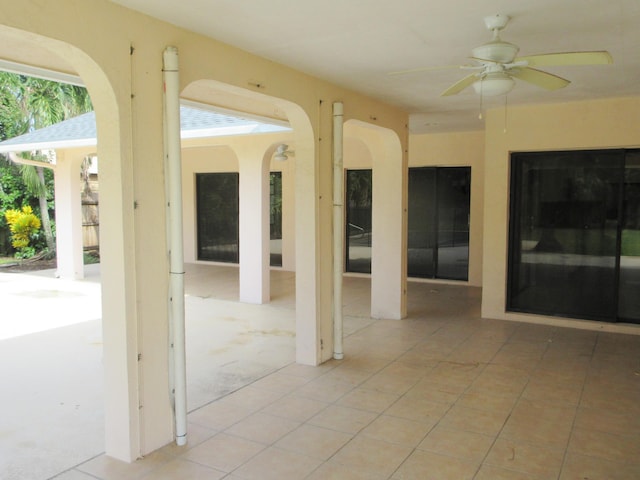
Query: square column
68, 186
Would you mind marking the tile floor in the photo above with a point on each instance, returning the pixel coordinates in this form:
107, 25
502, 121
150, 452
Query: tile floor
443, 394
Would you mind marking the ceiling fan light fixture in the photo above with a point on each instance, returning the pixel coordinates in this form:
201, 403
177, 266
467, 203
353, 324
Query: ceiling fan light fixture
497, 51
494, 84
282, 153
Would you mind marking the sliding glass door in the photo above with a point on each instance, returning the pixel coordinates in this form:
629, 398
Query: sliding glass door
438, 221
358, 228
629, 281
573, 234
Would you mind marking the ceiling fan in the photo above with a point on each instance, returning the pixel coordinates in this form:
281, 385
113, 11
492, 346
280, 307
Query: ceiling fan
497, 64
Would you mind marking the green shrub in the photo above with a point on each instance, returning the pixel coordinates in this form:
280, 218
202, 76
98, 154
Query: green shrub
23, 225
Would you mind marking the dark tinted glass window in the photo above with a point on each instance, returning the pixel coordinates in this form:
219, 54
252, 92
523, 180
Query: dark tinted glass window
217, 216
275, 218
574, 240
438, 222
358, 230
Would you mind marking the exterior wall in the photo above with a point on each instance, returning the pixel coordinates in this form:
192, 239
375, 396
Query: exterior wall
219, 156
597, 124
216, 155
460, 149
118, 54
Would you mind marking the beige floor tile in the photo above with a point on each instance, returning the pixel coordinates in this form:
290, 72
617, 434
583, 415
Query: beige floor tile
368, 360
196, 434
334, 471
523, 361
324, 389
343, 419
404, 370
435, 348
480, 353
219, 415
427, 389
370, 400
252, 398
308, 371
530, 333
552, 393
419, 359
389, 383
354, 376
371, 456
398, 431
579, 467
535, 460
488, 472
107, 468
606, 421
179, 469
430, 466
487, 386
276, 464
574, 367
483, 400
606, 397
500, 373
262, 428
457, 443
223, 452
455, 373
472, 420
539, 423
443, 384
616, 448
316, 442
279, 382
74, 475
558, 376
295, 408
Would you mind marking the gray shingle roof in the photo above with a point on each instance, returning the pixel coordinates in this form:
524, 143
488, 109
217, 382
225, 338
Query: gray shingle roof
80, 131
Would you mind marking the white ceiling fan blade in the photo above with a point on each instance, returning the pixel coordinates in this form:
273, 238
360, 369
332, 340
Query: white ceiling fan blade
423, 69
539, 78
460, 85
568, 58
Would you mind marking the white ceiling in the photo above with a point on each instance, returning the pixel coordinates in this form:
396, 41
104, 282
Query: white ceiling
356, 43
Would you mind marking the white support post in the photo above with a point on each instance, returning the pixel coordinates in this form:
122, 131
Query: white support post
176, 278
338, 221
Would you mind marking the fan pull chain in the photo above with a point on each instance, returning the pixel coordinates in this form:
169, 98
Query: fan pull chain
505, 113
481, 98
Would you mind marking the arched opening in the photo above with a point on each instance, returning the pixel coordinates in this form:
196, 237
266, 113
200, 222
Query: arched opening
252, 340
376, 152
116, 378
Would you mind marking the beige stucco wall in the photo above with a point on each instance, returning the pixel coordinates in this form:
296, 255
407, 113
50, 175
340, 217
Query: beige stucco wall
596, 124
219, 156
460, 149
118, 54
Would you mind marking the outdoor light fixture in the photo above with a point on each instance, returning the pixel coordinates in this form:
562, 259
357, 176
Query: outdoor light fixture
493, 84
282, 153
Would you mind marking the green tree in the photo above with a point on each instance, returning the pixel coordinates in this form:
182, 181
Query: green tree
26, 104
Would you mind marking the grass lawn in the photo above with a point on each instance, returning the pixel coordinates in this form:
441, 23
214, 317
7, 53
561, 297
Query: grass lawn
4, 260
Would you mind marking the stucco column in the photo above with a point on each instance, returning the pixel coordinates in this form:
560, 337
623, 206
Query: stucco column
254, 225
68, 187
388, 253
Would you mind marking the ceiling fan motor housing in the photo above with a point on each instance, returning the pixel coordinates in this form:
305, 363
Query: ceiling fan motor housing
496, 51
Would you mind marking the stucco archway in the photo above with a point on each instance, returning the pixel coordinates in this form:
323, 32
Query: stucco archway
243, 100
389, 216
121, 380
